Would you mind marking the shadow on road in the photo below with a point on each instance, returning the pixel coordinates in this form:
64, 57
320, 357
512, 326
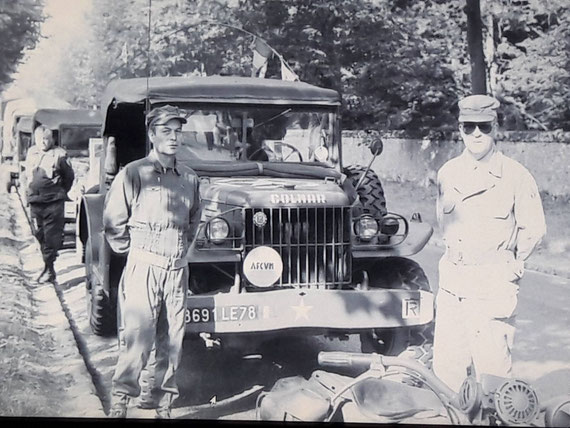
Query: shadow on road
214, 375
558, 380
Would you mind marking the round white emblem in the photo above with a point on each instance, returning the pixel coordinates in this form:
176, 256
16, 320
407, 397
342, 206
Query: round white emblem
263, 266
260, 219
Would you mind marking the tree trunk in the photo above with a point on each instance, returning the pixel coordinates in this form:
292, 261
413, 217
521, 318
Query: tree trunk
490, 55
475, 47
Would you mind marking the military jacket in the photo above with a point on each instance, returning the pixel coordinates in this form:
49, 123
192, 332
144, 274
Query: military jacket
489, 212
49, 175
152, 208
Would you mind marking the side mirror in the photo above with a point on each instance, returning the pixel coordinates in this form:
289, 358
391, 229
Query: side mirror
376, 147
371, 139
374, 142
111, 167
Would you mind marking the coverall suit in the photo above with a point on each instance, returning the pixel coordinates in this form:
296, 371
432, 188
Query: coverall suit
151, 213
492, 219
50, 176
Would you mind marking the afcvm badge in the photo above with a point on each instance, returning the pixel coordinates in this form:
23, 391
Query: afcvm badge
263, 266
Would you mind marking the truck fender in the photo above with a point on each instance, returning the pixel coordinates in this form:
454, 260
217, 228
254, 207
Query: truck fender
418, 236
90, 219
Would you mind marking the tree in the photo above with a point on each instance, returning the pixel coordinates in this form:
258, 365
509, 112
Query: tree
475, 46
532, 43
398, 64
369, 51
19, 30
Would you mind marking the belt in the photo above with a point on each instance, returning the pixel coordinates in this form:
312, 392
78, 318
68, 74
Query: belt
169, 263
464, 258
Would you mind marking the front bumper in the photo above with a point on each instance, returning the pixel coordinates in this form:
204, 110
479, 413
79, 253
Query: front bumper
344, 310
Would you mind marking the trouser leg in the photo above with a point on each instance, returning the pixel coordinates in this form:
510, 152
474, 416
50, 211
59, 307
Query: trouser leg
53, 225
491, 346
137, 303
451, 354
37, 212
170, 336
147, 382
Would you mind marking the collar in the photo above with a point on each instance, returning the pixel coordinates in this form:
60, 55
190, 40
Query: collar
158, 167
494, 166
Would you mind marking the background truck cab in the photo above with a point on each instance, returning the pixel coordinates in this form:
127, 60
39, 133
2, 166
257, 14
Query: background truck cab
286, 242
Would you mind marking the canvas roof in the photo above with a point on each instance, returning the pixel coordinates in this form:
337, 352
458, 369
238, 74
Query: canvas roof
221, 89
54, 118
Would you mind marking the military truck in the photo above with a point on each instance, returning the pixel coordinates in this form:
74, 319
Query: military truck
290, 240
19, 139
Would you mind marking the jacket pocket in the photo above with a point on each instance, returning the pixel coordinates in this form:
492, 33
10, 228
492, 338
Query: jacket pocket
500, 208
448, 207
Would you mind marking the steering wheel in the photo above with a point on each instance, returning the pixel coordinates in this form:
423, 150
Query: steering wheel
267, 150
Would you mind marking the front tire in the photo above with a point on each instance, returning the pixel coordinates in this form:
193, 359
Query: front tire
101, 308
404, 274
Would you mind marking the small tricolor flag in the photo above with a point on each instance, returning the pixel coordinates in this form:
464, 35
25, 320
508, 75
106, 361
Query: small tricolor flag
261, 54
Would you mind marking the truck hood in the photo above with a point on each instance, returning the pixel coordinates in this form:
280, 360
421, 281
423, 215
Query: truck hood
273, 192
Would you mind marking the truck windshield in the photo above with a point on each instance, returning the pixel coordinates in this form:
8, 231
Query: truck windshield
266, 134
75, 139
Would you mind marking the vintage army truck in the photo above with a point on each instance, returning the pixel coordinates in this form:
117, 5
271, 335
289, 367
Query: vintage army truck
19, 140
290, 240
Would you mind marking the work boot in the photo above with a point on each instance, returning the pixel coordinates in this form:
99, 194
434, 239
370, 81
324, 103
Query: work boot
119, 406
163, 408
51, 272
43, 273
163, 412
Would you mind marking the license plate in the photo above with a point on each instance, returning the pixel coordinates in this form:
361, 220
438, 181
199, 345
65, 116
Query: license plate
410, 308
221, 314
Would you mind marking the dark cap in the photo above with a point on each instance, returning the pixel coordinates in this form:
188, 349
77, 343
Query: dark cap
478, 108
161, 115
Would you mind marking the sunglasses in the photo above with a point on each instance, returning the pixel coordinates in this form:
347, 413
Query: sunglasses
484, 127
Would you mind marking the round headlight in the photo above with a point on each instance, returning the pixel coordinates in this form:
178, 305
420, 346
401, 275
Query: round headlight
366, 227
218, 230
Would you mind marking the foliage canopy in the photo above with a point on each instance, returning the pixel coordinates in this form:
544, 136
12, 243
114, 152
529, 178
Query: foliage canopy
399, 64
19, 30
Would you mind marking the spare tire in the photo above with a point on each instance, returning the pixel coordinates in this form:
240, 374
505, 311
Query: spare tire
370, 192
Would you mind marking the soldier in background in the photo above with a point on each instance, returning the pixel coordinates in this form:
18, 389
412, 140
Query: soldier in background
50, 176
492, 218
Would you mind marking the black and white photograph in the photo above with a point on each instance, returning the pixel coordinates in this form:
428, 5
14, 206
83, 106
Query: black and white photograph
291, 211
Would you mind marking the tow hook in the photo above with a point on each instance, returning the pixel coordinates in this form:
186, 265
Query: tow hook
364, 285
209, 342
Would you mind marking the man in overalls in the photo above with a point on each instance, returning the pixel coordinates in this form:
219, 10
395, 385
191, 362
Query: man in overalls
152, 212
50, 176
491, 216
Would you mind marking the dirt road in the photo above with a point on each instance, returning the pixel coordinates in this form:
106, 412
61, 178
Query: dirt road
42, 371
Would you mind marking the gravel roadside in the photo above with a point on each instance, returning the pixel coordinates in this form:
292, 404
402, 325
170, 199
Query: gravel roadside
42, 371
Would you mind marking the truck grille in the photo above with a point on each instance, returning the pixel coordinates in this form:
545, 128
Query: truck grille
314, 244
